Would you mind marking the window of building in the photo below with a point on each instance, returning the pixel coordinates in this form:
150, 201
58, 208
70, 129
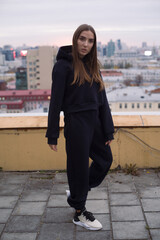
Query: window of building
30, 69
150, 105
125, 105
145, 105
120, 105
132, 105
30, 75
30, 63
138, 106
3, 106
158, 105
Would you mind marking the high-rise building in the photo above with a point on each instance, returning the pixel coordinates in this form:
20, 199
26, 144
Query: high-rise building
9, 53
40, 62
21, 78
110, 48
99, 49
144, 45
119, 45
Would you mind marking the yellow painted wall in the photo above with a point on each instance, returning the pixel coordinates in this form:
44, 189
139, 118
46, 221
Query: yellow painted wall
23, 149
140, 146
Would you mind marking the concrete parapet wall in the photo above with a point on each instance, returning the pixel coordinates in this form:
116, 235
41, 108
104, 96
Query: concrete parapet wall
23, 146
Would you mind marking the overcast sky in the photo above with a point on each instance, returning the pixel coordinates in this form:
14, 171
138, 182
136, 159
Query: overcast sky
53, 22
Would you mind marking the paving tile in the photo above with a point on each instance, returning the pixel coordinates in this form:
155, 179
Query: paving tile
104, 220
153, 219
93, 235
39, 184
120, 187
8, 201
50, 231
155, 233
151, 205
123, 199
29, 208
60, 178
150, 192
146, 178
126, 213
129, 230
119, 178
19, 236
23, 224
58, 201
4, 215
58, 215
60, 188
40, 195
10, 189
97, 193
97, 206
15, 179
1, 227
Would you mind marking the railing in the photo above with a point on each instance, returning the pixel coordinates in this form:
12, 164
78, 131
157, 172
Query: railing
23, 146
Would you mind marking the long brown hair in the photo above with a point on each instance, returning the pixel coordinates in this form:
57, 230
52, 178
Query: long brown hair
80, 73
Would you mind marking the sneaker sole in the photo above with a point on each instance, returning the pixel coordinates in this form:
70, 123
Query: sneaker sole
86, 226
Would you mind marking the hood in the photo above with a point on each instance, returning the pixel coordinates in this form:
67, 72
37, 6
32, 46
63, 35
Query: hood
65, 52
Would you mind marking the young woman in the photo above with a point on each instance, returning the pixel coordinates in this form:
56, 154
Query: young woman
78, 91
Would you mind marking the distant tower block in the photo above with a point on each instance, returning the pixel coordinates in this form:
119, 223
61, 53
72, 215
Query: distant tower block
144, 45
119, 45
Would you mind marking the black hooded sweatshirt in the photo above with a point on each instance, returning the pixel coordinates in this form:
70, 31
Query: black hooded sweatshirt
74, 98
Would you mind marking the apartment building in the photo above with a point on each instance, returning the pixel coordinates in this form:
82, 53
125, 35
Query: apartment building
110, 75
148, 75
40, 62
134, 99
18, 101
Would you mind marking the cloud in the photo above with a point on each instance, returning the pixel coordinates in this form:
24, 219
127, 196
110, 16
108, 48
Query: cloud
52, 18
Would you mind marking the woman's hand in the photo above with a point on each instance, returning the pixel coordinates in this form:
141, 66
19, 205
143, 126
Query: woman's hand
53, 147
108, 142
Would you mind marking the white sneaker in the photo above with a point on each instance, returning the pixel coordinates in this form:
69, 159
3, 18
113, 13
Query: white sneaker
87, 220
68, 193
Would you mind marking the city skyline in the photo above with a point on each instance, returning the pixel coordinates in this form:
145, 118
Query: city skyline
53, 23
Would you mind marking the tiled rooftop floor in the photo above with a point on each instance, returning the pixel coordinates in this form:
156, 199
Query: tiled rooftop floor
33, 207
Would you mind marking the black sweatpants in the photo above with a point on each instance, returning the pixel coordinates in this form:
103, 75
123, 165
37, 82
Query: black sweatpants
84, 139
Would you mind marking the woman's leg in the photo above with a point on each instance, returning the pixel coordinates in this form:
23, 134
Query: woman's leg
101, 155
79, 129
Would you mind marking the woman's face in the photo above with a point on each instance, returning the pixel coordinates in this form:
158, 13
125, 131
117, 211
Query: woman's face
85, 43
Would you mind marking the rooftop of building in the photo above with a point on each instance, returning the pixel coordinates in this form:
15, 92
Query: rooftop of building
136, 94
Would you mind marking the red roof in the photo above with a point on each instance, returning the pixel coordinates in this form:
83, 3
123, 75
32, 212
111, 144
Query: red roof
36, 92
156, 90
111, 73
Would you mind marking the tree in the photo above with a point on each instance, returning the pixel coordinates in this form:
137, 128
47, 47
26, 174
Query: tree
128, 82
139, 80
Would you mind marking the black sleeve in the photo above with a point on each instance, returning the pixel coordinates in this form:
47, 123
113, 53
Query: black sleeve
59, 75
106, 118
